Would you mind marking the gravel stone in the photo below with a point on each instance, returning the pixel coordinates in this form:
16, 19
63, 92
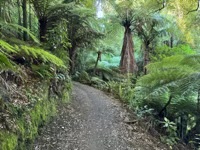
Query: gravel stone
94, 121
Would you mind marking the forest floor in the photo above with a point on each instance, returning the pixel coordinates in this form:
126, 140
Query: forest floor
95, 121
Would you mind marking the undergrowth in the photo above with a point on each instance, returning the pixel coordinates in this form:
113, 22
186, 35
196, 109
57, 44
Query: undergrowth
28, 118
34, 83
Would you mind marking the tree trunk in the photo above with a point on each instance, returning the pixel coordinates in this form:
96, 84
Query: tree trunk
163, 112
1, 10
43, 28
19, 19
1, 16
172, 41
127, 62
30, 16
72, 56
98, 59
25, 19
146, 56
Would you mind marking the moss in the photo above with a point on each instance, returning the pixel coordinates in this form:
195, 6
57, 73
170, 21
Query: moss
66, 93
8, 140
66, 97
30, 119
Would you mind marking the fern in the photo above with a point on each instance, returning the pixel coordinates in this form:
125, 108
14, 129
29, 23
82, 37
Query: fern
5, 50
6, 47
30, 52
5, 62
42, 71
174, 74
15, 27
177, 77
165, 51
38, 53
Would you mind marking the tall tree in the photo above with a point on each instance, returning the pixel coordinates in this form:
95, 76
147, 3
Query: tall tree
125, 10
42, 9
25, 19
149, 27
19, 17
127, 62
83, 30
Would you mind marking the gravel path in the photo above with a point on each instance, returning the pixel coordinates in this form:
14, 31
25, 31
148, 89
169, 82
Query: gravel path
94, 121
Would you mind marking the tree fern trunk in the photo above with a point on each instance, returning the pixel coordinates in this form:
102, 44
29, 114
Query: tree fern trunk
19, 18
43, 28
1, 16
164, 109
30, 16
25, 19
146, 56
172, 41
72, 56
127, 62
98, 59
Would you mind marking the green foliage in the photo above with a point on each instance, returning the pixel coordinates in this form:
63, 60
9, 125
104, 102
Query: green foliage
144, 111
40, 54
8, 140
177, 77
83, 26
25, 105
43, 71
5, 50
123, 90
196, 141
165, 51
44, 7
28, 52
171, 128
5, 62
6, 47
28, 118
58, 36
164, 76
74, 31
15, 27
84, 77
58, 40
99, 83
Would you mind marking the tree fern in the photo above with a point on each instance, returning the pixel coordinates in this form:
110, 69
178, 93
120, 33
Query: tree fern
171, 73
177, 77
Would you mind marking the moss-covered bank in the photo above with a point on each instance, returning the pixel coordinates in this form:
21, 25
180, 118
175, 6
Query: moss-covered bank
20, 120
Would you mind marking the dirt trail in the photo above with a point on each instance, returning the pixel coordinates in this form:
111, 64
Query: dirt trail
94, 121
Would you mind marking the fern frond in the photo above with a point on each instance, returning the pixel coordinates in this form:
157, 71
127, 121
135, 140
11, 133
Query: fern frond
176, 74
192, 61
168, 62
183, 104
5, 62
15, 27
38, 53
6, 47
